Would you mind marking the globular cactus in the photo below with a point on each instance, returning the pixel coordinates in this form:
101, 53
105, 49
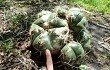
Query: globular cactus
71, 51
76, 20
51, 30
86, 39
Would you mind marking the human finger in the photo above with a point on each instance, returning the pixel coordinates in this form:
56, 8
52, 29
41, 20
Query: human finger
49, 62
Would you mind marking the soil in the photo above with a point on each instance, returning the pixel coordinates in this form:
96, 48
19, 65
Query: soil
25, 57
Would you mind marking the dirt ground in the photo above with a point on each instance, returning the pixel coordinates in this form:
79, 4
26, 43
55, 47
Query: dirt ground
25, 57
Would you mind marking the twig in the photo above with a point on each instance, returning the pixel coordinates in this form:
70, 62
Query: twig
71, 65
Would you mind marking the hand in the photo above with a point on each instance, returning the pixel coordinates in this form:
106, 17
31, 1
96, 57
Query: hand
49, 62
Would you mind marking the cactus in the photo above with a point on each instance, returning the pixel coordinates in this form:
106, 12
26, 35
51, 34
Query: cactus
51, 31
86, 38
72, 50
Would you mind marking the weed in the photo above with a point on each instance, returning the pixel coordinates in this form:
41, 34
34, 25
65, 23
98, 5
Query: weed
94, 5
7, 45
1, 2
15, 21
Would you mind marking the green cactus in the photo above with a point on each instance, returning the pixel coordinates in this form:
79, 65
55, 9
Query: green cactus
53, 39
57, 22
35, 31
86, 38
51, 30
76, 19
72, 51
60, 10
41, 40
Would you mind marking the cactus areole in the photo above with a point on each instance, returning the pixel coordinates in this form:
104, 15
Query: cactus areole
52, 30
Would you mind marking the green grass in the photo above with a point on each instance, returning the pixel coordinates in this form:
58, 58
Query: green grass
2, 2
102, 6
7, 45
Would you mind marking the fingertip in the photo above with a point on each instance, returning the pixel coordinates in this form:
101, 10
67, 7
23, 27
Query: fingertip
48, 52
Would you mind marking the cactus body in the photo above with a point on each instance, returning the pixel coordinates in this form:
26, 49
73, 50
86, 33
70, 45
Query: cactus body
51, 31
86, 39
72, 51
